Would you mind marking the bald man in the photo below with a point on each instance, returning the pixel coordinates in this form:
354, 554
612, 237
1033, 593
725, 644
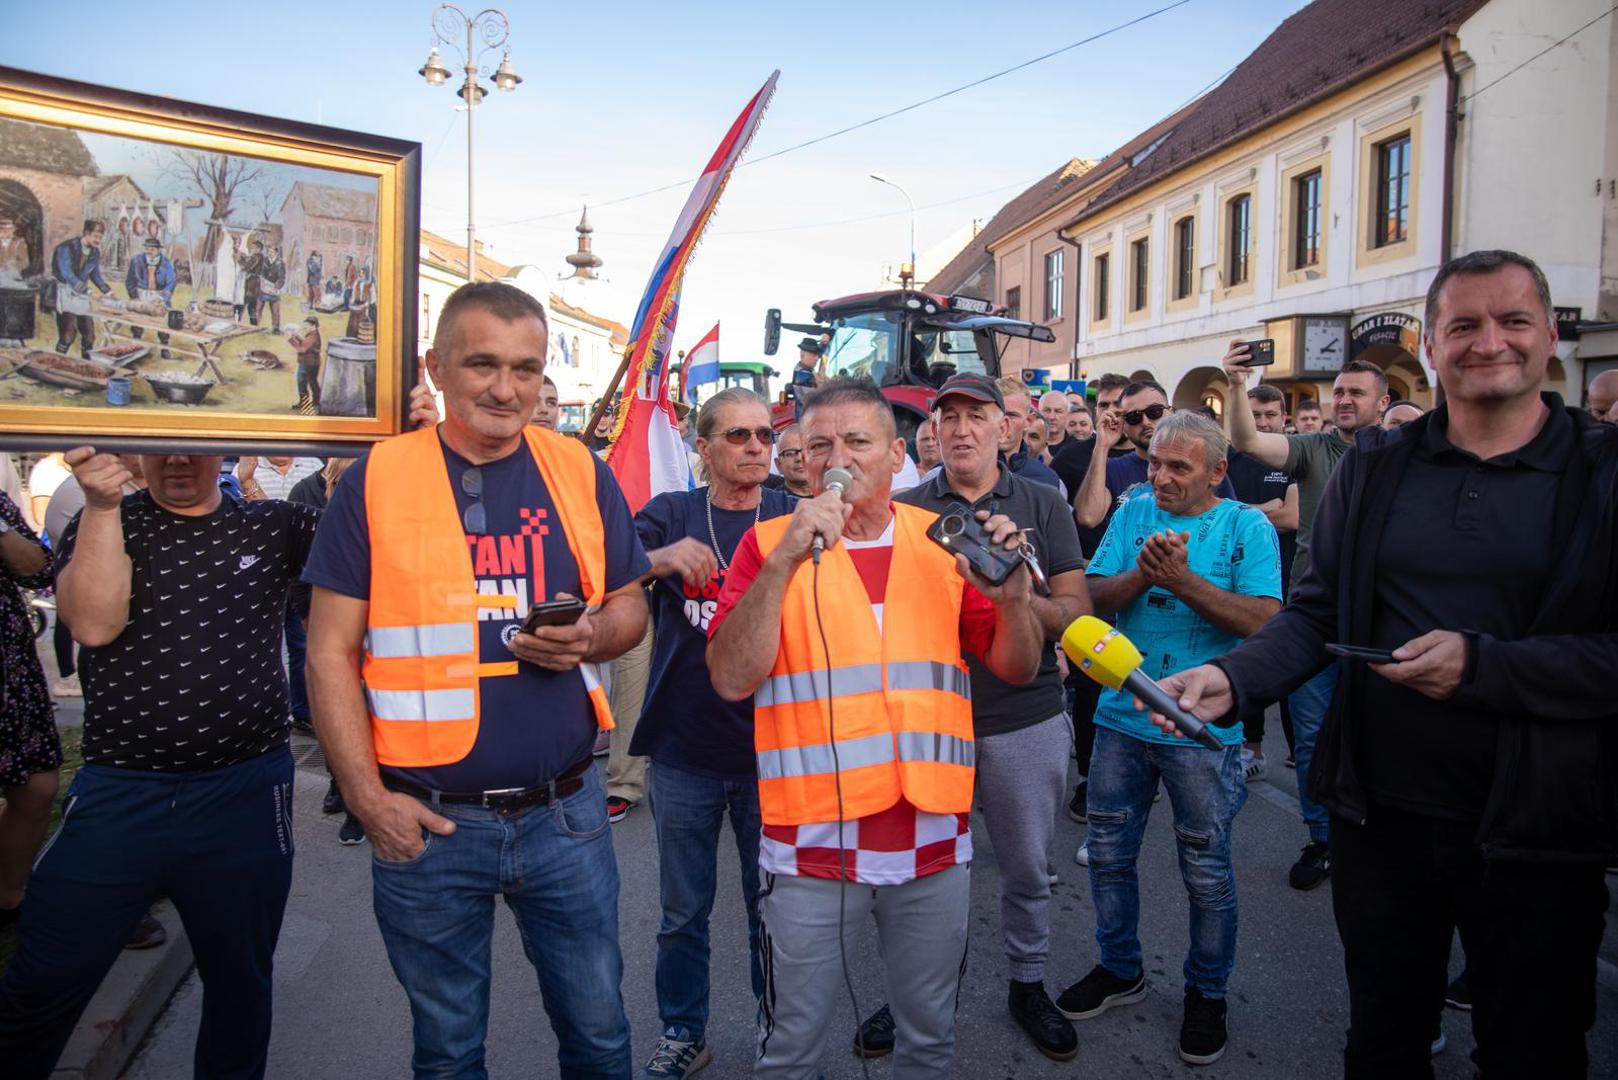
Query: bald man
1602, 395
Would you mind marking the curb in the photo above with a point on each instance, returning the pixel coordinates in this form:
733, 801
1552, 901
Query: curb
128, 1003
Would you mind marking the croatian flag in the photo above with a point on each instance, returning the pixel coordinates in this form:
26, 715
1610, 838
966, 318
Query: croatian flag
702, 362
647, 455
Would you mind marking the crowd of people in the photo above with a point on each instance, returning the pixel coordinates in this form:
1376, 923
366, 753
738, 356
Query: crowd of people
790, 647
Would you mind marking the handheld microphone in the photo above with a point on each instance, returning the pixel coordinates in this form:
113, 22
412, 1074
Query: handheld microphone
1112, 660
836, 480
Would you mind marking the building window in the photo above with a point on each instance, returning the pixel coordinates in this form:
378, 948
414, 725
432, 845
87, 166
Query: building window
1103, 285
1185, 256
1139, 257
1393, 190
1053, 285
1306, 220
1239, 229
1014, 302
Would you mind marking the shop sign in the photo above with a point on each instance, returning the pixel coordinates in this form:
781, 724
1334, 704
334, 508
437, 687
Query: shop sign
1386, 328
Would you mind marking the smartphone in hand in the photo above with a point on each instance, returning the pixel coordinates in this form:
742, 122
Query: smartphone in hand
1358, 652
1260, 353
564, 611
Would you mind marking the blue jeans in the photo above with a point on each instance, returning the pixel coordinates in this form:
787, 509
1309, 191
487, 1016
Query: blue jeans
1206, 790
554, 865
1309, 703
689, 811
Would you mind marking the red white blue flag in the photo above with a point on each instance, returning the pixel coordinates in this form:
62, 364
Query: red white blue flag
647, 455
702, 363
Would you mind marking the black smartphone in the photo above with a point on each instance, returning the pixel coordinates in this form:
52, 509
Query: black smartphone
1357, 652
1260, 353
561, 612
960, 531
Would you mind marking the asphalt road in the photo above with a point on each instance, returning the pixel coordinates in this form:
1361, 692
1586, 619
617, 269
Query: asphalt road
339, 1012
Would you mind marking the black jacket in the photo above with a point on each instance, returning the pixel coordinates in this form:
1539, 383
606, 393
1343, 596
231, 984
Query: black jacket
1554, 795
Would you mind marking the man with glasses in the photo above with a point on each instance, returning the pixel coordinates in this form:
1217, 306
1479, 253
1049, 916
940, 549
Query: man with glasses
1109, 479
700, 745
459, 731
789, 459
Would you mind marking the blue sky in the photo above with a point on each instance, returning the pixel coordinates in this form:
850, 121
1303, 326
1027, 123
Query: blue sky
622, 97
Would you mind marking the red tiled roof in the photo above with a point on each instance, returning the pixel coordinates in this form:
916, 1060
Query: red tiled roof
1316, 52
451, 255
1020, 209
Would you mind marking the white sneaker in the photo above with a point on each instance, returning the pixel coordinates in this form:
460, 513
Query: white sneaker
1252, 765
68, 687
1082, 856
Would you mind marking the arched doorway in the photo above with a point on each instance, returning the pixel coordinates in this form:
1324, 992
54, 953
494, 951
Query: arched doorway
1202, 387
1556, 382
1143, 376
17, 202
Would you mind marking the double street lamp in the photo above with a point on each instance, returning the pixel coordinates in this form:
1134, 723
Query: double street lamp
907, 272
485, 32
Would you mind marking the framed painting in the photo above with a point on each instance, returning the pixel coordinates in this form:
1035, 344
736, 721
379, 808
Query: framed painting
180, 277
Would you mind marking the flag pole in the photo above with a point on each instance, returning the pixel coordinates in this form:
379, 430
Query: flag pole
589, 429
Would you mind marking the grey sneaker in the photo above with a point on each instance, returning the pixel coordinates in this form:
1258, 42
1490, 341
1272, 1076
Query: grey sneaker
678, 1055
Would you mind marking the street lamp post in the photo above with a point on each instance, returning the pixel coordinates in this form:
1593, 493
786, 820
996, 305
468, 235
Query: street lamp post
486, 31
904, 278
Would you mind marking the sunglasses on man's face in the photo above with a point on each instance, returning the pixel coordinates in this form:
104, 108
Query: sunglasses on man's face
474, 518
738, 436
1151, 412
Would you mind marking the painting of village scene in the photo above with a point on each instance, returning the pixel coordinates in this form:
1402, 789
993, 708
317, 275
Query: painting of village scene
142, 275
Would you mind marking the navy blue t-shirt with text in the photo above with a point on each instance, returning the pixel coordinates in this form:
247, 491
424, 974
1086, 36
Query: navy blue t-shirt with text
536, 723
685, 724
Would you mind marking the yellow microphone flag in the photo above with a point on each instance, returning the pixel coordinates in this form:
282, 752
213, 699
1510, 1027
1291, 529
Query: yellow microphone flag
1100, 651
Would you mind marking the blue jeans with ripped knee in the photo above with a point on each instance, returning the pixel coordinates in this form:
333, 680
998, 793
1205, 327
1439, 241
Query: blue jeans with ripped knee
1205, 789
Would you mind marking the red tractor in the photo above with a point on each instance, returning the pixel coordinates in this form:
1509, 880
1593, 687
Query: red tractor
906, 341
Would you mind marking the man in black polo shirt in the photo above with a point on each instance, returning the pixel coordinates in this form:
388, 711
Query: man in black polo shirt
1021, 732
1473, 778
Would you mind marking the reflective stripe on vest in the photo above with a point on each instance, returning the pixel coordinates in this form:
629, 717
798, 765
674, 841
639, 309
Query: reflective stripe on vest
817, 758
396, 642
800, 686
935, 747
427, 705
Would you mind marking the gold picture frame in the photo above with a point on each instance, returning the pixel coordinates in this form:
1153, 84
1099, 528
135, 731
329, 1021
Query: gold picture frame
201, 280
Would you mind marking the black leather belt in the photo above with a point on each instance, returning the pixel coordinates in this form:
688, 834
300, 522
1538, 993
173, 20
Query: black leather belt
505, 800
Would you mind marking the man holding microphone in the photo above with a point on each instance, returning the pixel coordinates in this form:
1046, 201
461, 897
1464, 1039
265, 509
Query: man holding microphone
848, 625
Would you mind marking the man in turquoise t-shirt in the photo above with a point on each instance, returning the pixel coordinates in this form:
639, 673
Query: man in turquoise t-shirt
1188, 574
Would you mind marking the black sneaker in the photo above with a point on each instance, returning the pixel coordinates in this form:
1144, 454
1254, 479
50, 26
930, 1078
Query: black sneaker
1099, 991
332, 803
1202, 1032
875, 1037
1458, 995
1032, 1009
1079, 808
352, 832
1313, 866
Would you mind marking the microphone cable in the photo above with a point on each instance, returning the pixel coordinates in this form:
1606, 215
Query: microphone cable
842, 851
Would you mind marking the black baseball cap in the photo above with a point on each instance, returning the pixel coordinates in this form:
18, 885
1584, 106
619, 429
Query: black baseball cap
974, 386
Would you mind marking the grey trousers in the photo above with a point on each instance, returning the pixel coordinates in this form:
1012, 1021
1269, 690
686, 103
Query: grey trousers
921, 929
626, 691
1022, 776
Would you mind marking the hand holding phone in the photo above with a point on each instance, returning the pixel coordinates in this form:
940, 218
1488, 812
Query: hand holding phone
563, 611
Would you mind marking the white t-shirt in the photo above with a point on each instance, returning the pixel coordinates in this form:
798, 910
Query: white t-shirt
43, 480
907, 477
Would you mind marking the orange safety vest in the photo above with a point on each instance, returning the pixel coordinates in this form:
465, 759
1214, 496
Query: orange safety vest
421, 667
900, 700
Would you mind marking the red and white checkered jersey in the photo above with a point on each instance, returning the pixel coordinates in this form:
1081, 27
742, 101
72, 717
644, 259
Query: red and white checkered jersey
895, 845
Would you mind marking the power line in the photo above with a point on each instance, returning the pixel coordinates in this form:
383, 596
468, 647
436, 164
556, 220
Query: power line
875, 119
1542, 52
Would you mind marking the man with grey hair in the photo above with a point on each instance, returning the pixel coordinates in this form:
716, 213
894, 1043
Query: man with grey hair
1187, 574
